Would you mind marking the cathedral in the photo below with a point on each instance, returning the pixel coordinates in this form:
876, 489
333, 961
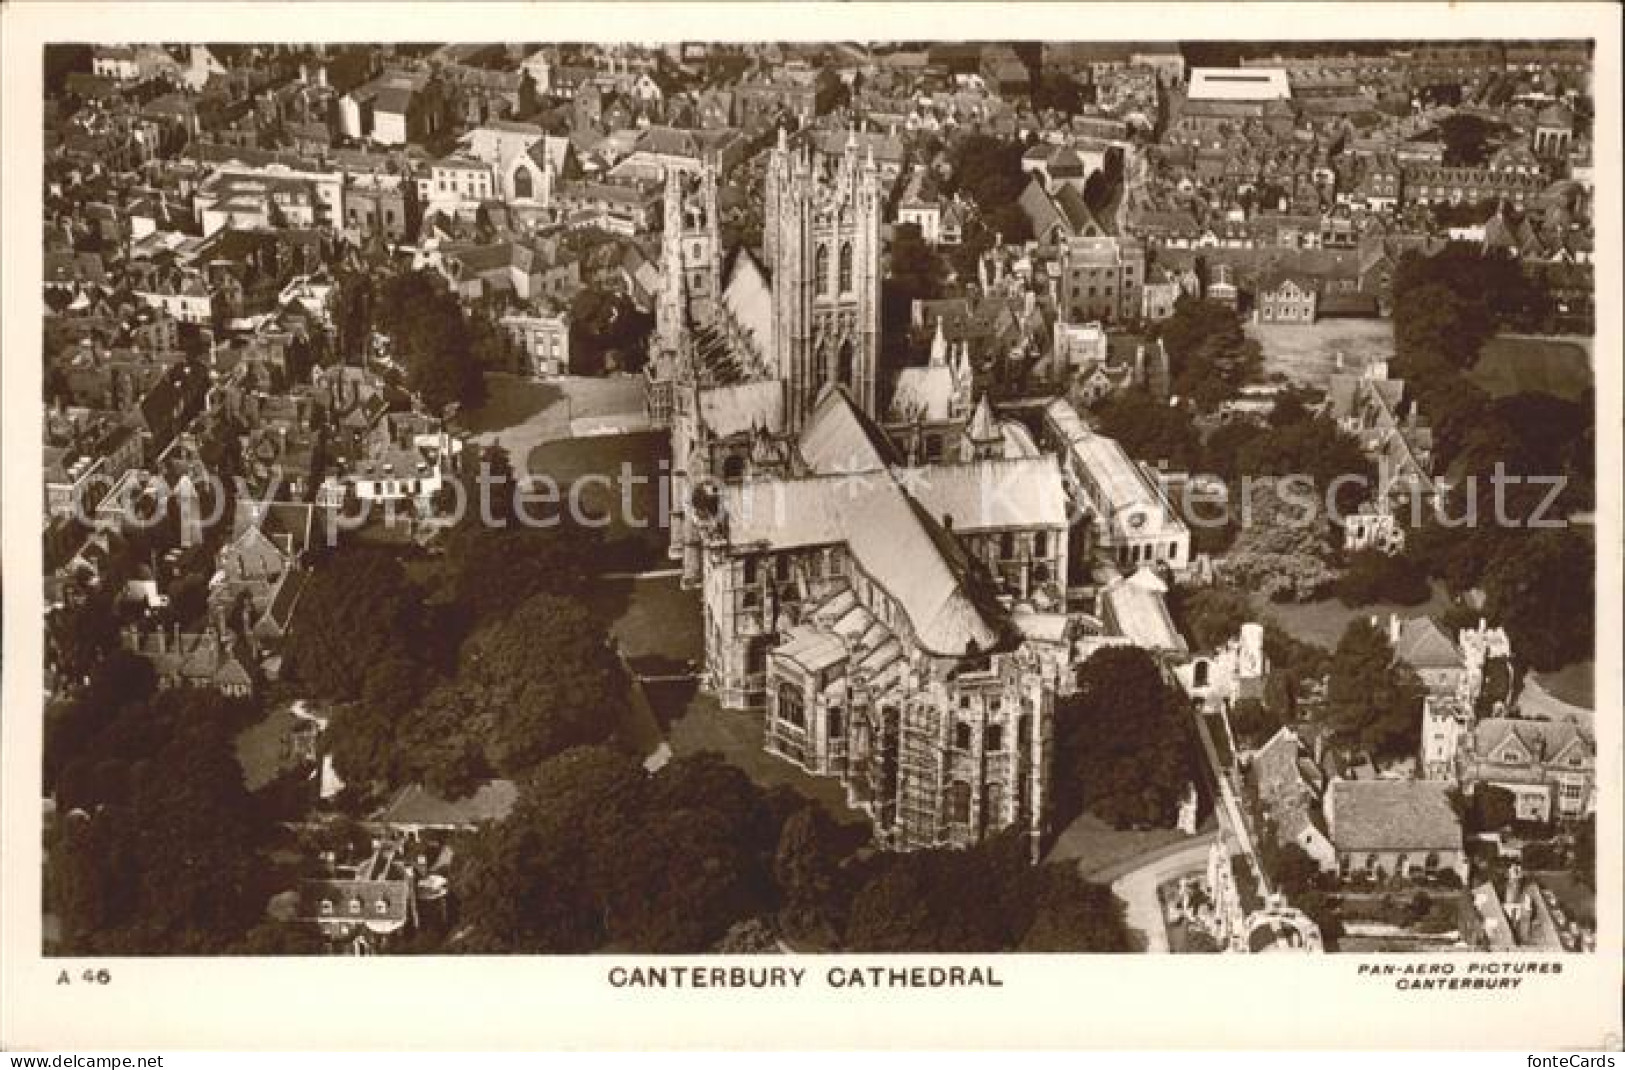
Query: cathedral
885, 584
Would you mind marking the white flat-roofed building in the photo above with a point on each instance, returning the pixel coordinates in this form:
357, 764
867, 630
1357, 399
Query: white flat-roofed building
1239, 83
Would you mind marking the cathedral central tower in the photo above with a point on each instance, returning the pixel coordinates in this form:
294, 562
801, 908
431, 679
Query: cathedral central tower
821, 241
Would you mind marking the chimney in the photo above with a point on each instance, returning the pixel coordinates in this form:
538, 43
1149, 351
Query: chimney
1394, 629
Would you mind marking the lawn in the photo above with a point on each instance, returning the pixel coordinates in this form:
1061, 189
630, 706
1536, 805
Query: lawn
627, 507
1528, 364
1322, 623
658, 625
1307, 354
1574, 684
1101, 851
522, 413
510, 401
263, 749
702, 725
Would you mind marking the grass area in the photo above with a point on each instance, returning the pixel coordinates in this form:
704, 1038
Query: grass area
627, 507
512, 400
1574, 684
1307, 354
606, 398
658, 624
262, 748
1527, 364
702, 725
1322, 623
1097, 848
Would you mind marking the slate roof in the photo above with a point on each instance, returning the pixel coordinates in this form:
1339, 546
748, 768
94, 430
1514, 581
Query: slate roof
1424, 645
991, 495
1392, 815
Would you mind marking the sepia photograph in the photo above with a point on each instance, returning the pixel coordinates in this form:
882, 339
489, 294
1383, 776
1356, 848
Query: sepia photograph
817, 499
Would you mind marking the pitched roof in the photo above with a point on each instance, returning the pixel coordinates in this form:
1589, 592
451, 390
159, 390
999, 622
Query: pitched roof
729, 410
925, 392
1141, 616
839, 437
1393, 815
1424, 645
991, 495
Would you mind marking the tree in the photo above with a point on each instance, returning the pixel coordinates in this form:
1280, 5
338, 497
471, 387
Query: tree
597, 855
1540, 586
1316, 448
490, 571
1209, 355
1293, 870
1583, 857
357, 611
1284, 548
1151, 430
1254, 721
1373, 702
535, 882
988, 170
1057, 91
978, 899
1373, 576
1466, 139
815, 893
541, 680
166, 865
430, 334
1124, 747
1493, 808
831, 93
915, 272
683, 882
1074, 915
605, 329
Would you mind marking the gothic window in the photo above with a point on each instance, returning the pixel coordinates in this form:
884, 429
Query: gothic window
962, 736
1199, 675
843, 368
835, 726
523, 187
958, 803
995, 802
846, 267
995, 738
790, 709
821, 269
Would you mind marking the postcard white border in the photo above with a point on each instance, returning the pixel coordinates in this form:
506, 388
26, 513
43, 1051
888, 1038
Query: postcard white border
483, 1003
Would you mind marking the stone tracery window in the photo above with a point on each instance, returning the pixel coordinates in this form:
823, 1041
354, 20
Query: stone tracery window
846, 267
821, 269
790, 707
